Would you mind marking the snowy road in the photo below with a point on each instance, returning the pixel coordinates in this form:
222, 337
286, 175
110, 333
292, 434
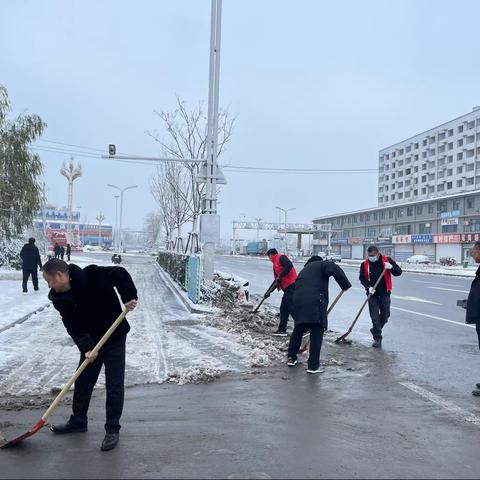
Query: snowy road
165, 341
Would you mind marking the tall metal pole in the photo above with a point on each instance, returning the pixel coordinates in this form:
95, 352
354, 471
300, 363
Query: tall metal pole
71, 173
121, 190
258, 227
115, 231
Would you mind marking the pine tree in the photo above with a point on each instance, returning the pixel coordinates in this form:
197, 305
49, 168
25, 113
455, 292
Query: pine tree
20, 169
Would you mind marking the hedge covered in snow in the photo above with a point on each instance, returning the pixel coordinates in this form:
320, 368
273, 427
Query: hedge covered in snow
10, 253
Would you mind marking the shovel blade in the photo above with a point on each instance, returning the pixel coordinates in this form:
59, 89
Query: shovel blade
21, 438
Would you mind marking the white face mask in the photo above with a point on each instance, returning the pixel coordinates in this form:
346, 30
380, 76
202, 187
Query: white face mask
372, 258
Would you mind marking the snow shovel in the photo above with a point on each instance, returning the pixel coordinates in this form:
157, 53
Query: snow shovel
271, 288
342, 337
337, 298
58, 399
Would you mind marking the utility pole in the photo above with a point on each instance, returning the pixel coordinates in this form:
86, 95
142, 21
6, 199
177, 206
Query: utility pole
71, 173
100, 218
115, 231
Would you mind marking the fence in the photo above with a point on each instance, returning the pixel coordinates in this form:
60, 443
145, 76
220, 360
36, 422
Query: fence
185, 270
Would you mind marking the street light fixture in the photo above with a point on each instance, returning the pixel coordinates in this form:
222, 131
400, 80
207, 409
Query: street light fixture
121, 190
285, 211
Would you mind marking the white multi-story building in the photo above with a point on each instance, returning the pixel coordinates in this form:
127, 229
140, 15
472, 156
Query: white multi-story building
441, 161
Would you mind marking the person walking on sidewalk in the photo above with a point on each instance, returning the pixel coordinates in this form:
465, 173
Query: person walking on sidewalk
379, 302
68, 251
473, 303
56, 250
89, 305
285, 275
31, 261
310, 301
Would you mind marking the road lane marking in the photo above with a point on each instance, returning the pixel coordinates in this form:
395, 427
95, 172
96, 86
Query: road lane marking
445, 404
434, 317
406, 297
434, 283
450, 289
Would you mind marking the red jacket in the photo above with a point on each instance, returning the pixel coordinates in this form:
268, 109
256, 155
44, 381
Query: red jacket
387, 275
289, 278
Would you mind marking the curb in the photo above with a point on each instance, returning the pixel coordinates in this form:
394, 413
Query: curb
25, 317
175, 289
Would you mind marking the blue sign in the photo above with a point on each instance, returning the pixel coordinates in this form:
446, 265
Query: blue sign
422, 238
452, 214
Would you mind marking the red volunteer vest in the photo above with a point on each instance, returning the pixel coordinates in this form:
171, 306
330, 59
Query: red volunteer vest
288, 279
387, 276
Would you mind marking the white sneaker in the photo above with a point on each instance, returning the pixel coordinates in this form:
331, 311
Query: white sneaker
318, 370
291, 362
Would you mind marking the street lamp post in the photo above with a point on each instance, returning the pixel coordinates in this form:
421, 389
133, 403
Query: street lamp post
115, 232
71, 173
285, 211
258, 227
100, 218
121, 190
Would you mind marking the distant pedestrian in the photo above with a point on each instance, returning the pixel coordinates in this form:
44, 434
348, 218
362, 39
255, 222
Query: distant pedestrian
310, 301
89, 305
62, 252
56, 250
473, 302
285, 275
31, 261
68, 251
379, 302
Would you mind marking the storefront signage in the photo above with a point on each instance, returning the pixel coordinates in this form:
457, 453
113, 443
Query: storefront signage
469, 237
422, 238
355, 240
449, 221
401, 239
446, 238
340, 241
453, 213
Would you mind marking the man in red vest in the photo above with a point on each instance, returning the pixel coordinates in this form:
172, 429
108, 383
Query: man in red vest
379, 302
285, 275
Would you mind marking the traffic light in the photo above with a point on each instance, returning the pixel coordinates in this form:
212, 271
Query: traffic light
112, 150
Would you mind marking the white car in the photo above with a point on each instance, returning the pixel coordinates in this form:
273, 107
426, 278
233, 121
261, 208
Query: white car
334, 257
418, 259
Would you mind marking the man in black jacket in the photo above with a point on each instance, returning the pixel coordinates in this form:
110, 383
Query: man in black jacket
379, 301
31, 261
473, 302
89, 305
310, 301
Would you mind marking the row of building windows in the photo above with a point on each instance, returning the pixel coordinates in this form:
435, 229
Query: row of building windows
429, 140
401, 212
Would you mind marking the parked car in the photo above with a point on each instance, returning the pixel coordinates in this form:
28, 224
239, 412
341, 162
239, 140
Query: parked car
418, 259
334, 257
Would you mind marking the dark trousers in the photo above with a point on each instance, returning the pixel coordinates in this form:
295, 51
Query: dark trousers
113, 357
26, 275
286, 308
316, 339
379, 308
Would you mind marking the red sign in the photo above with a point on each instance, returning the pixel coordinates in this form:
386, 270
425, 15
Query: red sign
446, 238
470, 237
402, 239
355, 240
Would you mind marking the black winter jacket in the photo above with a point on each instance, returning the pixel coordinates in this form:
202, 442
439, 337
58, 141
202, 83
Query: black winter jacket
30, 257
91, 306
473, 301
310, 298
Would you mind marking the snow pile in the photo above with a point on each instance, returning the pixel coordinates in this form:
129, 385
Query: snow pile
10, 253
194, 375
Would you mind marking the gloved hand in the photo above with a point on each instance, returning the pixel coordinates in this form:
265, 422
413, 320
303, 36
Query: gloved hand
388, 266
371, 290
266, 295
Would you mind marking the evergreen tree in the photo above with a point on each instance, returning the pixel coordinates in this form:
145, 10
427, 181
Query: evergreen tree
20, 169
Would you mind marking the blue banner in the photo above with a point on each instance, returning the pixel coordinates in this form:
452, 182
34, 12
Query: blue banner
422, 238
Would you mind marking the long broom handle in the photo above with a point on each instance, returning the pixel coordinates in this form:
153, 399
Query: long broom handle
337, 298
270, 290
84, 365
363, 306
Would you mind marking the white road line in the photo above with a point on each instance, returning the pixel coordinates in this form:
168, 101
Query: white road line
450, 289
434, 283
406, 297
434, 317
445, 404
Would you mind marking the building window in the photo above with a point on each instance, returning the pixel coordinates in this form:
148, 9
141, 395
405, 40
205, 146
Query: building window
400, 195
431, 208
375, 216
391, 213
424, 143
416, 147
441, 187
409, 211
450, 146
404, 230
471, 125
459, 169
419, 209
460, 142
425, 228
424, 190
460, 129
424, 178
470, 139
471, 203
473, 225
459, 183
459, 156
456, 205
382, 215
449, 185
469, 181
407, 194
450, 132
449, 228
470, 167
450, 159
450, 172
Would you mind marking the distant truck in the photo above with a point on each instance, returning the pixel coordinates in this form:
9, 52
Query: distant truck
257, 248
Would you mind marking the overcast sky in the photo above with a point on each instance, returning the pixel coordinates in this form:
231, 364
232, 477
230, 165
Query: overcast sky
315, 84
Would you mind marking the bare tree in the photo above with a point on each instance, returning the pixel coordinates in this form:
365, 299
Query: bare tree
153, 228
187, 138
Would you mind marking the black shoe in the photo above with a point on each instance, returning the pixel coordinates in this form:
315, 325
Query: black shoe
110, 441
291, 362
377, 343
68, 428
279, 333
35, 288
477, 385
476, 393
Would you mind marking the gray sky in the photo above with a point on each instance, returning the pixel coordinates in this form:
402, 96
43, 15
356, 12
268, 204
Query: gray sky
315, 84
